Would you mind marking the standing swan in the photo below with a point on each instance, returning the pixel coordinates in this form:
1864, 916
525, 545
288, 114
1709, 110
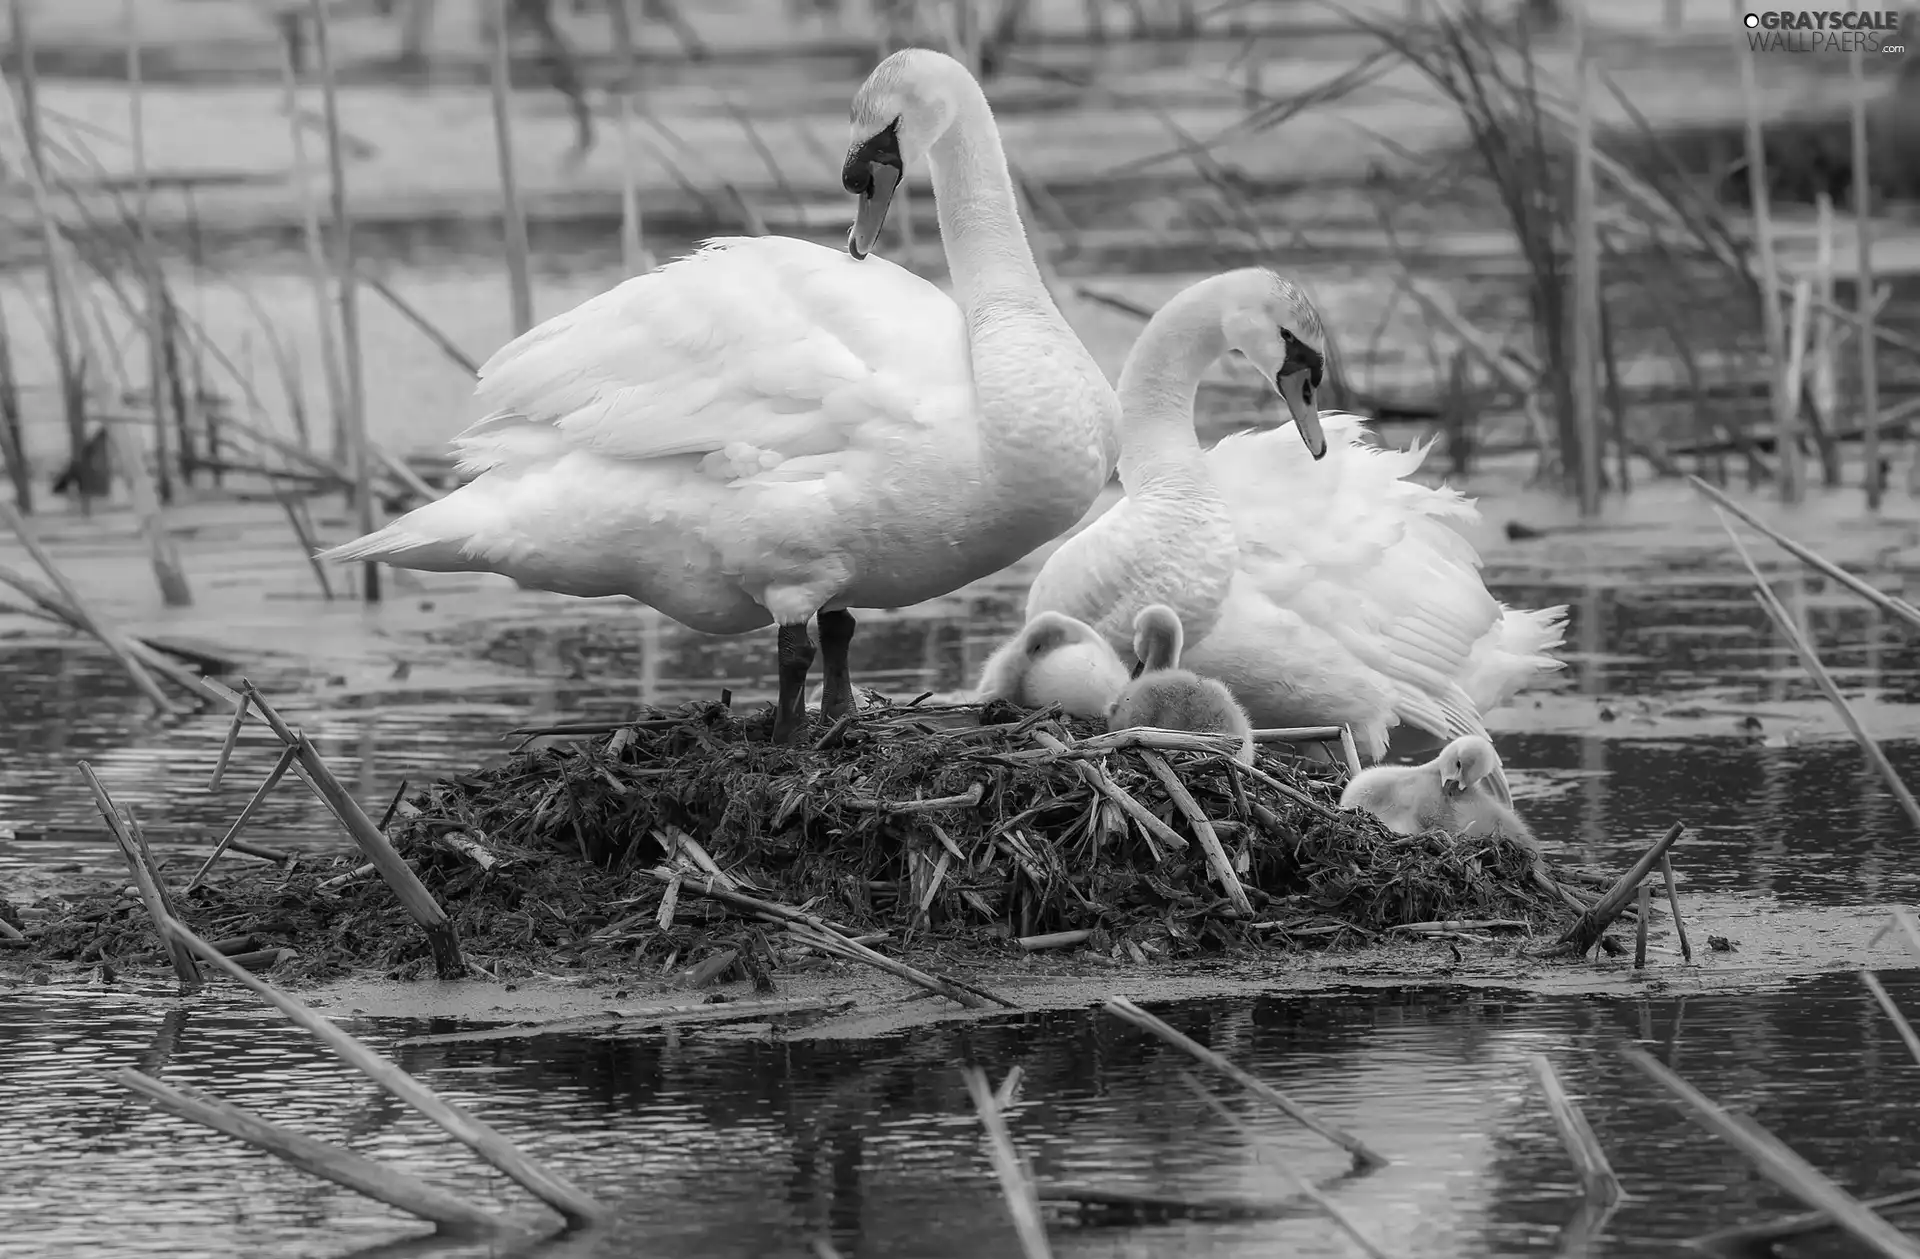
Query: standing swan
1322, 592
769, 429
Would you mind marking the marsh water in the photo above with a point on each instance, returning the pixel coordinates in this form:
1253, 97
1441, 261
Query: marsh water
1679, 702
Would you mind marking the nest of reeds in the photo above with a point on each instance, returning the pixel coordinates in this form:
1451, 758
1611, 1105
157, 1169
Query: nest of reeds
955, 826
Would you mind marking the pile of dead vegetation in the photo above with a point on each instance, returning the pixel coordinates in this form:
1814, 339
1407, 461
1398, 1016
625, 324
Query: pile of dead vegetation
954, 827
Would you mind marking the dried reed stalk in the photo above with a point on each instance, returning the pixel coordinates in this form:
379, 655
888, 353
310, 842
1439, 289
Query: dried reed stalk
346, 278
1643, 911
513, 217
573, 1204
1023, 1204
392, 1186
1778, 1163
59, 607
1822, 388
1673, 905
324, 320
1597, 1178
1863, 277
1810, 661
1785, 407
1203, 831
1590, 926
1586, 275
146, 877
412, 315
1126, 1010
265, 789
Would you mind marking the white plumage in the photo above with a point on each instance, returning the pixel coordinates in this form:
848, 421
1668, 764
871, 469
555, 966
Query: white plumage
1321, 592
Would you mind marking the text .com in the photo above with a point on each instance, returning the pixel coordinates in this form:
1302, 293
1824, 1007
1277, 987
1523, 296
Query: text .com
1833, 30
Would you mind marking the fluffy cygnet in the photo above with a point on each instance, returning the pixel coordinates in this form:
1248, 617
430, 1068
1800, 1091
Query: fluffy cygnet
1055, 659
1452, 792
1164, 696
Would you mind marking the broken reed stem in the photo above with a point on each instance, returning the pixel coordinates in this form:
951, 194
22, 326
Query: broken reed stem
1590, 926
572, 1203
1097, 777
1597, 1178
1785, 401
442, 940
1778, 1163
384, 1184
1351, 751
1017, 1187
407, 311
227, 745
354, 375
513, 217
1892, 604
84, 616
1644, 910
145, 877
1586, 276
323, 311
1126, 1010
1810, 661
1863, 276
280, 768
1202, 831
826, 937
1899, 1020
1673, 904
1301, 1184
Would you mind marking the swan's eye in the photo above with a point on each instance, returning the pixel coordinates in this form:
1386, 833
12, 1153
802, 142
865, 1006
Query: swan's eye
1306, 393
1286, 336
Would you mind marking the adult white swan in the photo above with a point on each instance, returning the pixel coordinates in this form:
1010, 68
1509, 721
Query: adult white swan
769, 429
1333, 592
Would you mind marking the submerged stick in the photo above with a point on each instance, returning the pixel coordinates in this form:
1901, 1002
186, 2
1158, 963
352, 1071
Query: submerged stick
1750, 1238
1124, 1009
145, 878
1590, 926
1778, 1163
1022, 1202
385, 1184
572, 1203
1900, 1024
1589, 1158
1810, 661
1202, 831
442, 940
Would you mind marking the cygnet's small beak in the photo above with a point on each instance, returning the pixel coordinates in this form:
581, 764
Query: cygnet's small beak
1293, 386
872, 172
1452, 786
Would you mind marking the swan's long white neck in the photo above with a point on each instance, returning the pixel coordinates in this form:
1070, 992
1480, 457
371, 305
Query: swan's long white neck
987, 249
1159, 451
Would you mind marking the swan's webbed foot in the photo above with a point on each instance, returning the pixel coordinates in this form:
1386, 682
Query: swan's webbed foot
796, 659
836, 636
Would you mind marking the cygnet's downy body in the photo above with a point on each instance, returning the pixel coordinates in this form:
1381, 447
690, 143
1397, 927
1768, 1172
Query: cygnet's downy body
1453, 792
1166, 697
1055, 659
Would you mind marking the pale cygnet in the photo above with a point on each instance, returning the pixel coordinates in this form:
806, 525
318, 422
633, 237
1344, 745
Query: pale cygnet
1452, 792
1055, 659
1167, 697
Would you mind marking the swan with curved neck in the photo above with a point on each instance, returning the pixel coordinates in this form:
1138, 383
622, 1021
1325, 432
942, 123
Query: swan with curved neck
769, 430
1327, 591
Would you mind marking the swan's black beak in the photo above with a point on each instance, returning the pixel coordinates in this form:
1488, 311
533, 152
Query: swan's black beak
872, 172
1139, 667
1296, 386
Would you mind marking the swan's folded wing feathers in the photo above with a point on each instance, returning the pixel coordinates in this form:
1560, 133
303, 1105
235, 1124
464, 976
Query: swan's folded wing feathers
765, 343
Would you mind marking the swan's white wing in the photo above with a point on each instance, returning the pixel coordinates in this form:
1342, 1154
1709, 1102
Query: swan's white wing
1365, 556
768, 355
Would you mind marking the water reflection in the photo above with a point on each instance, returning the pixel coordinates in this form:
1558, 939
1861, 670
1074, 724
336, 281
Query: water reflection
718, 1143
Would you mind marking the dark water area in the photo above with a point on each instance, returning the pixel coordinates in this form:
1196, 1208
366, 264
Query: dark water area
746, 1144
1679, 702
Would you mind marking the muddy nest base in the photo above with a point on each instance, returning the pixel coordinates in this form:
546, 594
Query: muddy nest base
960, 831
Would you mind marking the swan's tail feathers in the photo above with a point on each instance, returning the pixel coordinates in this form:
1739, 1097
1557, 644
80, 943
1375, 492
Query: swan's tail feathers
402, 547
1514, 654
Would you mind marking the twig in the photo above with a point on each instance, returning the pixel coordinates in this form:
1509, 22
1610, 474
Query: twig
280, 768
1644, 911
1900, 1024
1673, 904
965, 800
1778, 1163
1350, 752
1056, 940
145, 877
385, 1184
1124, 1009
1810, 661
1202, 831
1022, 1203
574, 1205
228, 744
1587, 930
1296, 734
1589, 1159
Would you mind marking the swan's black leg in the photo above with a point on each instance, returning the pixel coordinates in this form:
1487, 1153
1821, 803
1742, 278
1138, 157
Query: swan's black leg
836, 635
796, 658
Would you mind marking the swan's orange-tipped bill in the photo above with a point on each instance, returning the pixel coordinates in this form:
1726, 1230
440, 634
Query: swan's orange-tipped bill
1294, 387
872, 173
